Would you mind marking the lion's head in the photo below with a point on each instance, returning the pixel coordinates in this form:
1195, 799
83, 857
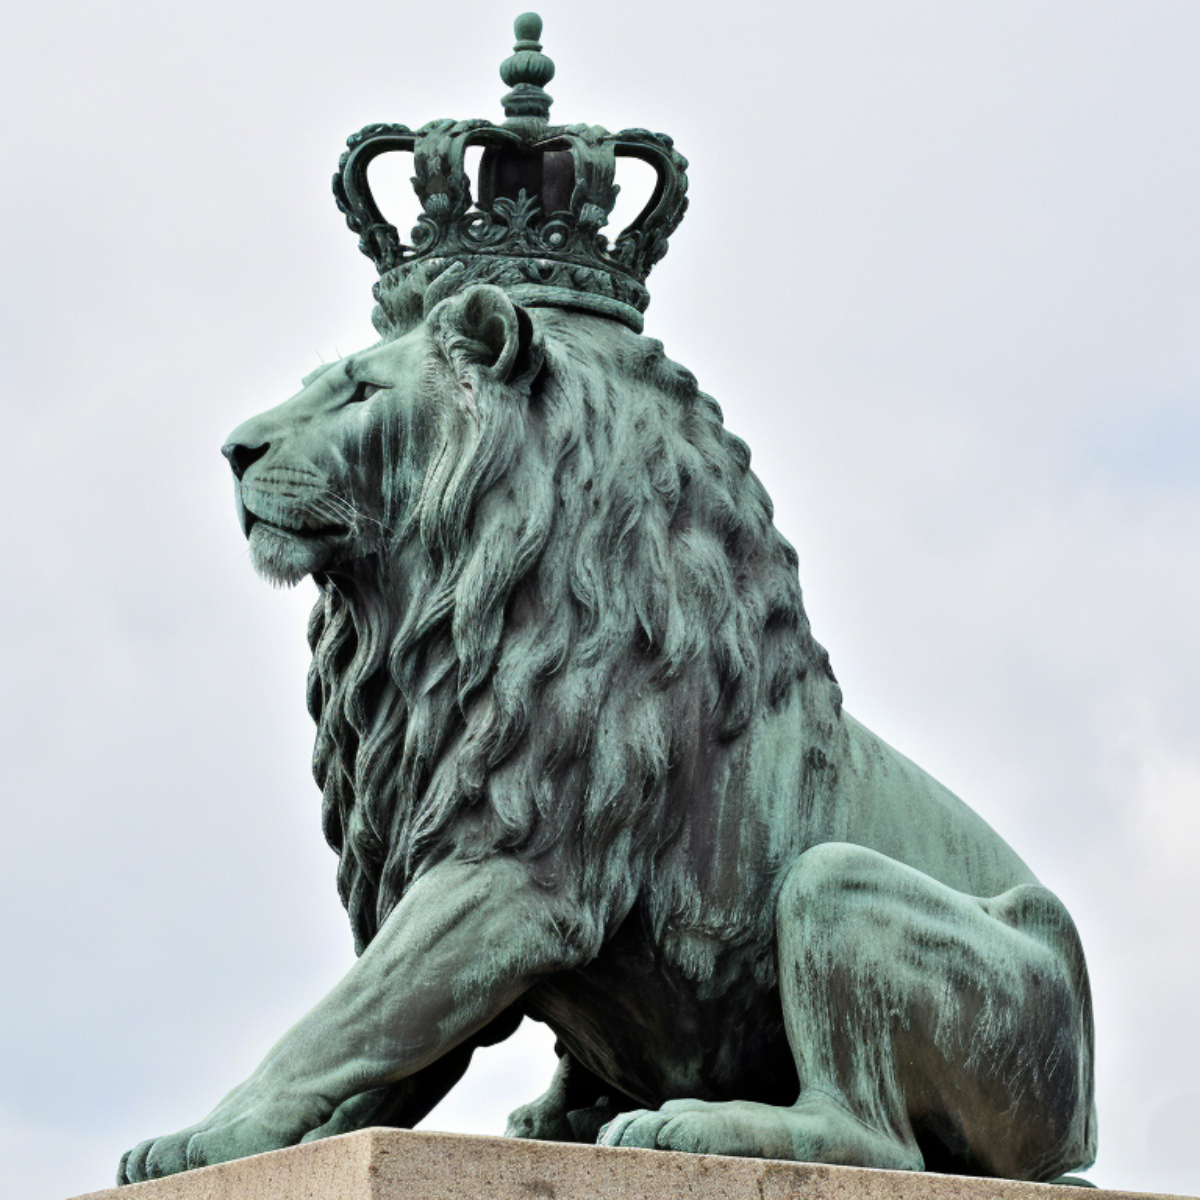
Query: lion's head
551, 593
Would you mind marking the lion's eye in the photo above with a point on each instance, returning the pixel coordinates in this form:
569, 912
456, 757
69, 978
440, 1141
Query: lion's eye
364, 391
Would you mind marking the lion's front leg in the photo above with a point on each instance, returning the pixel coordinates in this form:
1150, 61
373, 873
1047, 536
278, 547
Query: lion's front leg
410, 1100
460, 948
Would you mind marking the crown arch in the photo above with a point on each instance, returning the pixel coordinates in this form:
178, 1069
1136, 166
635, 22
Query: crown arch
535, 228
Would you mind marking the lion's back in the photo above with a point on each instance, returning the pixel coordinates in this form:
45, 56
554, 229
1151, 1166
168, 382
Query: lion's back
884, 801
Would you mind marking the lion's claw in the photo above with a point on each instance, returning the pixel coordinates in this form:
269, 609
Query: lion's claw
184, 1151
154, 1158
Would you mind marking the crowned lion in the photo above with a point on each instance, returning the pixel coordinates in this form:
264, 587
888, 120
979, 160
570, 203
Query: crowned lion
583, 762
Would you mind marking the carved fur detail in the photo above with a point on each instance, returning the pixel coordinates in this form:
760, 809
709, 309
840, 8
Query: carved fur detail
584, 594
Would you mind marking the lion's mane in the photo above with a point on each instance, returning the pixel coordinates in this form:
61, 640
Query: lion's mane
584, 606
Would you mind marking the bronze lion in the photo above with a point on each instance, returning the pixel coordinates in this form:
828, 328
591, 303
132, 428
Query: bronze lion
582, 760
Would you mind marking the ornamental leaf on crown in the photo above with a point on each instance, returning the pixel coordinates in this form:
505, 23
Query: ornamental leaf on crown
545, 195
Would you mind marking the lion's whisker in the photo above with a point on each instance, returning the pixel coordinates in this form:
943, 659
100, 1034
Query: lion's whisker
339, 508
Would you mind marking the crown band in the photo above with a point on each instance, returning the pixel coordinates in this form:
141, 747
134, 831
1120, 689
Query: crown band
406, 293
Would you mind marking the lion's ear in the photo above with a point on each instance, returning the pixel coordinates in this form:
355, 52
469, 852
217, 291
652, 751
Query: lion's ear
481, 331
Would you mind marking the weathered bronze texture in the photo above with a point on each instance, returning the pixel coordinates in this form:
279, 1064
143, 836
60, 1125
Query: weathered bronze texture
546, 192
583, 761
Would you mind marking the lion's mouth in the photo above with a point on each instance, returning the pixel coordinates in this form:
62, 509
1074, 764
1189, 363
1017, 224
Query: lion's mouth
291, 539
299, 527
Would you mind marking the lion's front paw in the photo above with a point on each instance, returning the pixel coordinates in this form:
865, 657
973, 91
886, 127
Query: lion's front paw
548, 1122
538, 1120
155, 1157
225, 1135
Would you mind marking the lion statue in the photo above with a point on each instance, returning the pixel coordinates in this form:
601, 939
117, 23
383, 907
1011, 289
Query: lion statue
583, 761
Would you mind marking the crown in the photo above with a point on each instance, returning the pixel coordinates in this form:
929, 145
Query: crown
535, 228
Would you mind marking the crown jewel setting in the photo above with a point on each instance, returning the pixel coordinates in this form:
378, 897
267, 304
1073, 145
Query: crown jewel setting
535, 228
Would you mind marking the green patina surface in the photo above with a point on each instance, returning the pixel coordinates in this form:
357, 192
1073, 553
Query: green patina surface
580, 755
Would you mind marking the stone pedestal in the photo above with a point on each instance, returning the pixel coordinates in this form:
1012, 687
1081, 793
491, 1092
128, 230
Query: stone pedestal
392, 1164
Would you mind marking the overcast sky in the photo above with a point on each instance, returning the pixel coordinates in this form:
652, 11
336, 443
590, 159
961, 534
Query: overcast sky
941, 270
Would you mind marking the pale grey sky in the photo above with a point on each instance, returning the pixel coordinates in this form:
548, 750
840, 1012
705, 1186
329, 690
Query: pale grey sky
942, 271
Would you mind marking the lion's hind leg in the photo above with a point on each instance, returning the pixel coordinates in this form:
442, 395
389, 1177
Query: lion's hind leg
929, 1029
955, 1025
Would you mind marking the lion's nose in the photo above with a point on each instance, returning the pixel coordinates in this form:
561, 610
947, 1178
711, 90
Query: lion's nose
240, 457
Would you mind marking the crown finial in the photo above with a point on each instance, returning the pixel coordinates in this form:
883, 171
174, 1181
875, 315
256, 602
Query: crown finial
527, 72
528, 28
